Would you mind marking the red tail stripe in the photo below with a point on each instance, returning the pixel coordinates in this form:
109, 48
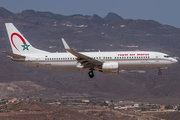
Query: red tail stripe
22, 39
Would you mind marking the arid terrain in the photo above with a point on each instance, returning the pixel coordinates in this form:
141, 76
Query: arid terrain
30, 110
44, 30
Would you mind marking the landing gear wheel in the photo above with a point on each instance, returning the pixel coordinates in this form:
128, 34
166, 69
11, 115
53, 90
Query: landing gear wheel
159, 73
91, 74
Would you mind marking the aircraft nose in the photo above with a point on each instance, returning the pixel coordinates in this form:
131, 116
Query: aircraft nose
175, 60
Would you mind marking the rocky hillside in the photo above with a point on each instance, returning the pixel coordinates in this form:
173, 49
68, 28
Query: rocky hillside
44, 30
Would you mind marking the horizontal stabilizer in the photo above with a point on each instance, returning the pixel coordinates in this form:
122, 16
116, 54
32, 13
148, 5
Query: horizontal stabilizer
14, 55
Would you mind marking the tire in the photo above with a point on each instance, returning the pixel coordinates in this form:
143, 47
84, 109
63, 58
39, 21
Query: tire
91, 74
159, 73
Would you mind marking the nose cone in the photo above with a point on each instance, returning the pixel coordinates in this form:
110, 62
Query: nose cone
174, 61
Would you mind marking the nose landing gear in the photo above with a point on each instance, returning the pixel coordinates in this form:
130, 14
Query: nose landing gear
91, 74
159, 73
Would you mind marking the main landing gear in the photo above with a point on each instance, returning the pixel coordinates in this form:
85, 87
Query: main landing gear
159, 73
91, 74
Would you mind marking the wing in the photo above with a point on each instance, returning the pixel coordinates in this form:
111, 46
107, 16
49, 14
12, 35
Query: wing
85, 61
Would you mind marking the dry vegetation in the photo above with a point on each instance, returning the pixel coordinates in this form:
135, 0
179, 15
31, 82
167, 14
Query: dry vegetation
30, 110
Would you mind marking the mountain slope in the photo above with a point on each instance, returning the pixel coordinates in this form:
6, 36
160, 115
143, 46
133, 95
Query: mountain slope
45, 29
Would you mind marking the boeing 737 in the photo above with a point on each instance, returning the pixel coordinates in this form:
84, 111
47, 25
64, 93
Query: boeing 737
105, 62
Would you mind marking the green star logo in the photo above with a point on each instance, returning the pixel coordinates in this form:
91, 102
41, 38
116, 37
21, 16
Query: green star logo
25, 46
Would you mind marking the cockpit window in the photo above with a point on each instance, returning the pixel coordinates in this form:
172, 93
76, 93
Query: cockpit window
167, 56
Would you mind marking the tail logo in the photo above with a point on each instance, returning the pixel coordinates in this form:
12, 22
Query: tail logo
25, 46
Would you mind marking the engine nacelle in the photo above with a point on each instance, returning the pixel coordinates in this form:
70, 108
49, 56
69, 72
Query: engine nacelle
110, 67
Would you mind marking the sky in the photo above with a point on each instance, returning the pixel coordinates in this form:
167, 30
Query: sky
162, 11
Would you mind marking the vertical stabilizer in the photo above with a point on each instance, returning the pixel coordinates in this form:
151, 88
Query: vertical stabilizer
18, 42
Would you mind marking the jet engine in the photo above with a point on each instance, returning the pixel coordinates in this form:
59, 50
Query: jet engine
110, 67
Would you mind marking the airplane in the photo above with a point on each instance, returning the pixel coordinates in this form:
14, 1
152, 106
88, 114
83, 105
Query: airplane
105, 62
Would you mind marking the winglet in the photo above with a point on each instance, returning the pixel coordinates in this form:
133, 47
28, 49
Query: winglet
65, 44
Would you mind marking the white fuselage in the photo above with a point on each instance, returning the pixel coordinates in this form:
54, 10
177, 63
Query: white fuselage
126, 60
105, 62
